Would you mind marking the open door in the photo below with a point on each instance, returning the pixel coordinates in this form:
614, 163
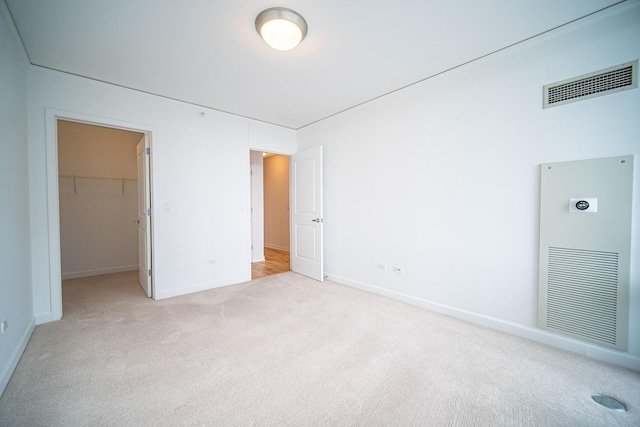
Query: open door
306, 213
144, 216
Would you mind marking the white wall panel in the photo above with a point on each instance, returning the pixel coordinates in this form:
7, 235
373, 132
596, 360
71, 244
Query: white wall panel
200, 181
15, 276
270, 138
442, 178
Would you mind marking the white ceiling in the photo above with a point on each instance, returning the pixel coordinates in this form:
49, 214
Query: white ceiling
207, 52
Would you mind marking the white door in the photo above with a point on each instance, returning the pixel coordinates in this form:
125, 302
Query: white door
144, 216
306, 213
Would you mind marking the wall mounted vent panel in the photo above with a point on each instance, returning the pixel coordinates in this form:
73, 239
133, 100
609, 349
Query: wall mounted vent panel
603, 82
582, 293
585, 249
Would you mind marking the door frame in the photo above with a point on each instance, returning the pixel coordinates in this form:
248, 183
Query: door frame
143, 148
250, 216
253, 207
271, 151
53, 195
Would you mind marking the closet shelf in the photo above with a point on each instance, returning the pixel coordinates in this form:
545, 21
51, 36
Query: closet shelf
96, 177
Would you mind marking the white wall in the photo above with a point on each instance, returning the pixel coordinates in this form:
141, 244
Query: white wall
98, 193
474, 134
276, 203
200, 181
257, 206
442, 178
15, 277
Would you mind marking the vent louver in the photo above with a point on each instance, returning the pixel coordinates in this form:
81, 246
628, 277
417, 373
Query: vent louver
583, 293
603, 82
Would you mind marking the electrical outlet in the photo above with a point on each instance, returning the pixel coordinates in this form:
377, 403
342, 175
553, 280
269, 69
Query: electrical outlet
397, 269
211, 262
382, 267
4, 326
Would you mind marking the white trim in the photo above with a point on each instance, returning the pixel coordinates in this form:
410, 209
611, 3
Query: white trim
16, 355
236, 280
53, 214
592, 351
43, 318
250, 225
52, 116
98, 272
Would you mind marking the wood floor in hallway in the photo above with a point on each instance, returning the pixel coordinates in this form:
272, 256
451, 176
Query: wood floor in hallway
275, 262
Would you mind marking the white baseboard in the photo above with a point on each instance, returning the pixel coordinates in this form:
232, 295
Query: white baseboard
98, 272
43, 318
169, 293
592, 351
277, 247
8, 369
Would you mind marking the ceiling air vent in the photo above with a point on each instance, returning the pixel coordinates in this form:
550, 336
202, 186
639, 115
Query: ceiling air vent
603, 82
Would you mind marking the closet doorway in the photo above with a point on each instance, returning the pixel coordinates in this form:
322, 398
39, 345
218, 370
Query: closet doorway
103, 188
270, 214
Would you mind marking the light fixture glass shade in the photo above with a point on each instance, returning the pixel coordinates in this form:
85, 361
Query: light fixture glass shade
281, 28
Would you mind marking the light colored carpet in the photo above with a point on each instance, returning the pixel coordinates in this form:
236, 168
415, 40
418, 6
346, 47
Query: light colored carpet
286, 350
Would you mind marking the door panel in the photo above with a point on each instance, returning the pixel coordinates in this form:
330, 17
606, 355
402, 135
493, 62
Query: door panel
305, 197
306, 213
306, 242
144, 218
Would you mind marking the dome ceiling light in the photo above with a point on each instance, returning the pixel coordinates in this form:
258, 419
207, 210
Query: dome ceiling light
281, 28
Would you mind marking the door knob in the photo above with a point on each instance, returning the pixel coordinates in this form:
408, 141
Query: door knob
317, 220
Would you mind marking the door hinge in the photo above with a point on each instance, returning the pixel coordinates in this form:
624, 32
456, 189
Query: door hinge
148, 150
149, 272
149, 211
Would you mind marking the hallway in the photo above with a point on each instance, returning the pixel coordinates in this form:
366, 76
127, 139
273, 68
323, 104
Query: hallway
275, 262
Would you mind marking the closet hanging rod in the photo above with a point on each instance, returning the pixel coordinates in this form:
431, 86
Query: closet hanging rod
75, 178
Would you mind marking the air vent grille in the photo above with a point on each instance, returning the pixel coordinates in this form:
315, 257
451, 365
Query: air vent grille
602, 82
583, 293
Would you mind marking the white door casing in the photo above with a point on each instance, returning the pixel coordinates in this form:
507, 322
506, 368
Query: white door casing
54, 274
144, 216
257, 205
306, 213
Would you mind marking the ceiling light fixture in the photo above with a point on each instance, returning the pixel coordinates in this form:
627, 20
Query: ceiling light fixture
281, 28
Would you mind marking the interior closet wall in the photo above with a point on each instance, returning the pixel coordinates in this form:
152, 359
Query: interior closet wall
276, 202
98, 199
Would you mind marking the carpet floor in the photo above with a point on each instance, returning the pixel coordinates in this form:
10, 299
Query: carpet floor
286, 350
